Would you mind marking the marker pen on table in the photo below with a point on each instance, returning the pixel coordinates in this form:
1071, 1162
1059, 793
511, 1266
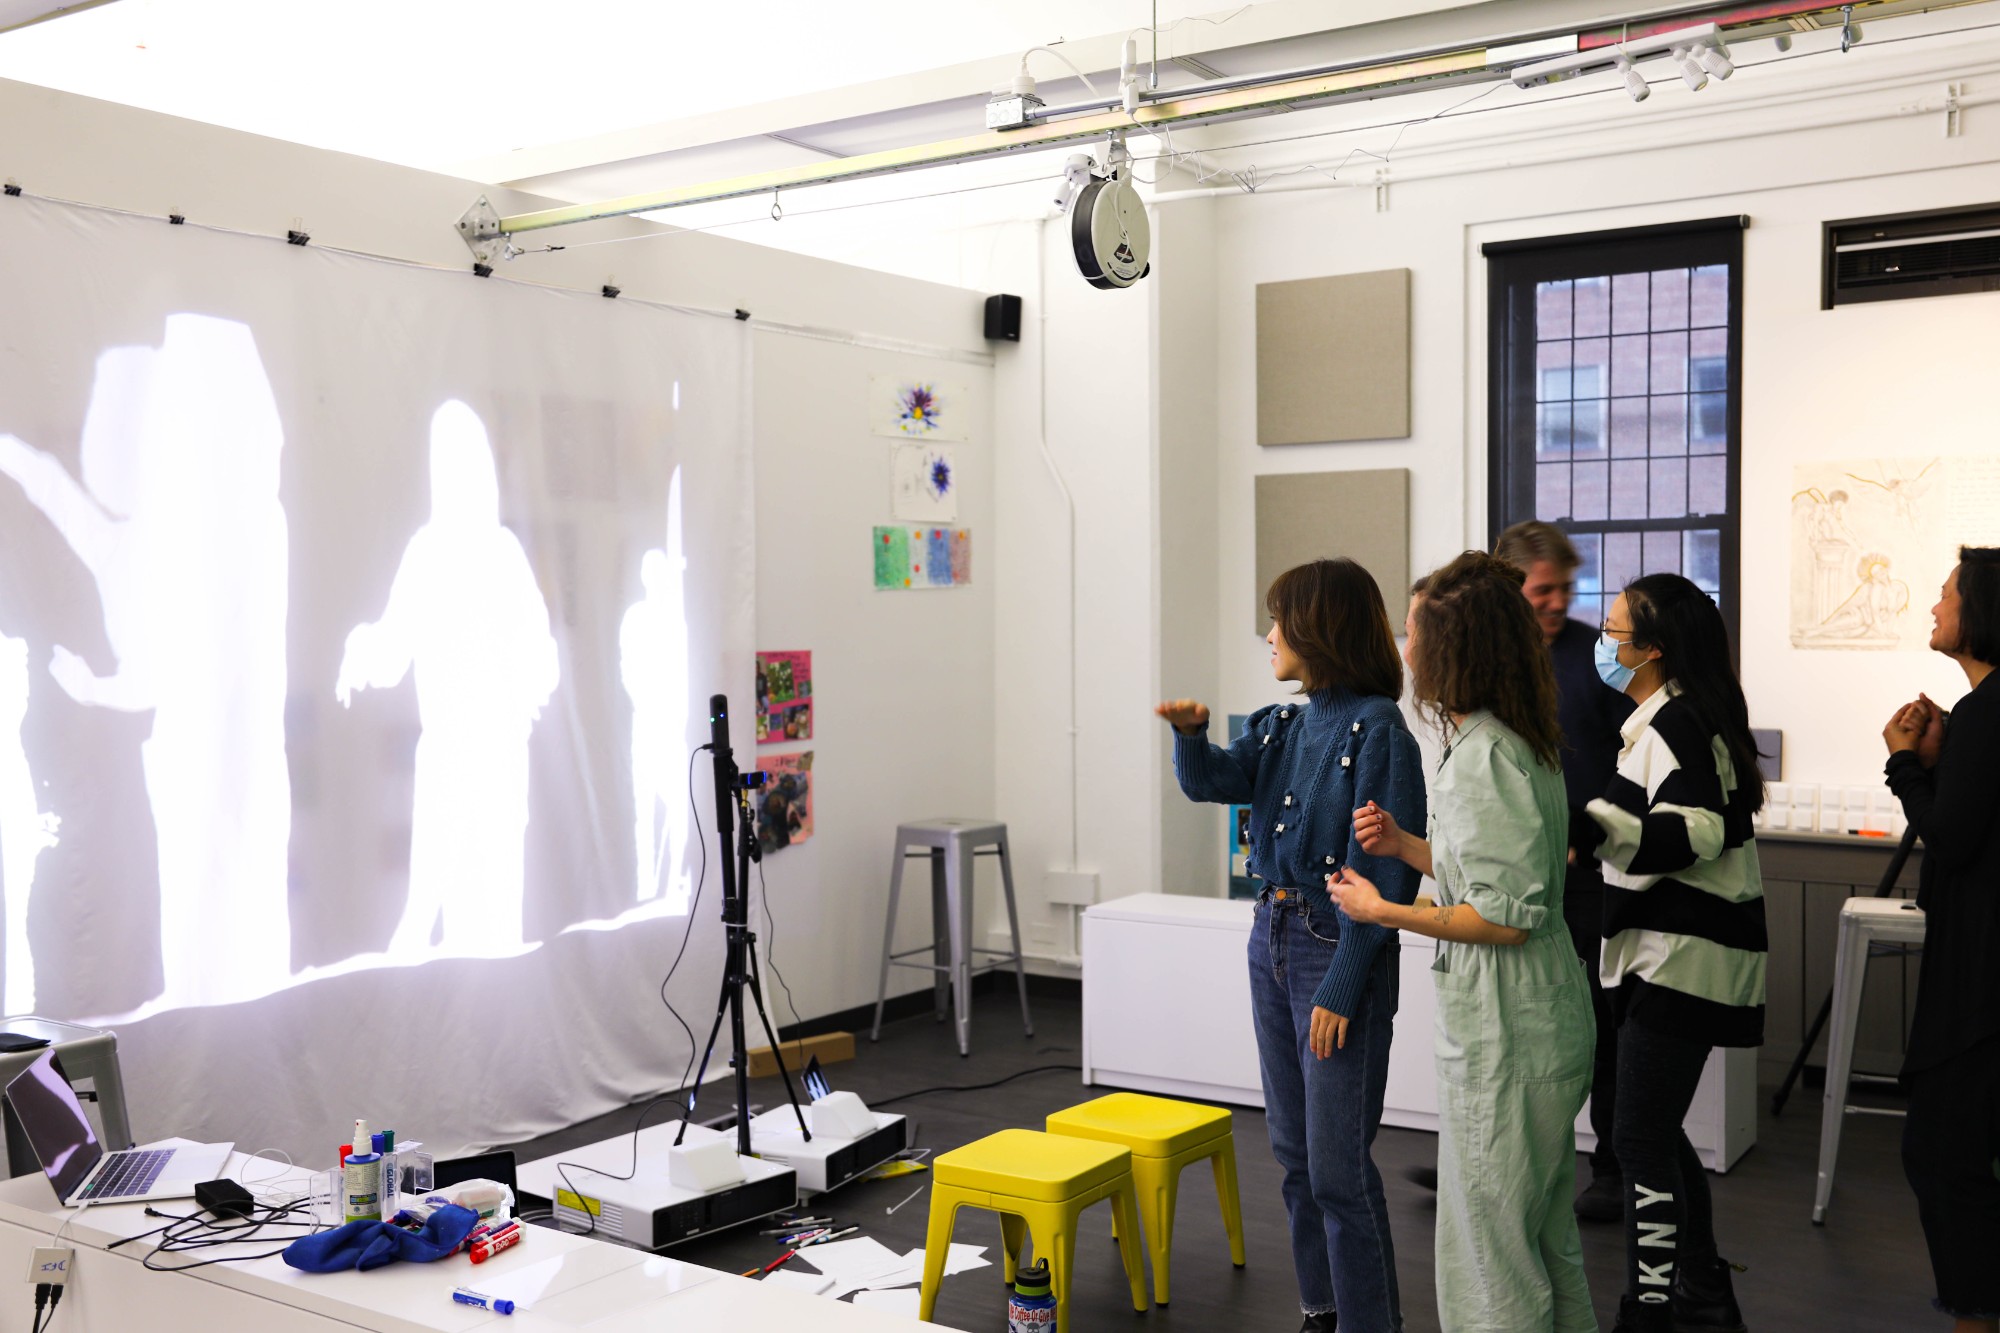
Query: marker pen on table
498, 1305
500, 1238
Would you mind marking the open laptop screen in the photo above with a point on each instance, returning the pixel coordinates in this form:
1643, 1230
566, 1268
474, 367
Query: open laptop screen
54, 1122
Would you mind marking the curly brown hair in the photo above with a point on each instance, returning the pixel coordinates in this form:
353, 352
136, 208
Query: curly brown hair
1478, 646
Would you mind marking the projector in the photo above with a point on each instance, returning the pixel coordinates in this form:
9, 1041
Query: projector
651, 1210
847, 1141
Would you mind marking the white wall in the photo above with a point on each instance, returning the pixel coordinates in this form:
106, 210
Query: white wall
1814, 137
1882, 380
906, 681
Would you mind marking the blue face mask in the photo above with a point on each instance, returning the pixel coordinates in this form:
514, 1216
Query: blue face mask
1609, 669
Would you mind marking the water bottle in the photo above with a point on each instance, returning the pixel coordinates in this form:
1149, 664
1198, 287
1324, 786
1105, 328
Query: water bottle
1032, 1307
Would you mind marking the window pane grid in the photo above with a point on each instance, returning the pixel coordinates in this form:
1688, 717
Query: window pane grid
1632, 424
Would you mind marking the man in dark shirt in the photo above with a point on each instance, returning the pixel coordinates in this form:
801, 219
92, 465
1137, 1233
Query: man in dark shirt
1591, 713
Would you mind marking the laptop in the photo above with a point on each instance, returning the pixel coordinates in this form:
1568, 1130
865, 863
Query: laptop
82, 1172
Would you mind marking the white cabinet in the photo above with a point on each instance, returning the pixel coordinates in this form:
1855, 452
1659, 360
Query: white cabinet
1166, 1009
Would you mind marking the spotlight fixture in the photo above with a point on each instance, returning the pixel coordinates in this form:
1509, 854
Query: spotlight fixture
1697, 51
1850, 31
1635, 82
1783, 42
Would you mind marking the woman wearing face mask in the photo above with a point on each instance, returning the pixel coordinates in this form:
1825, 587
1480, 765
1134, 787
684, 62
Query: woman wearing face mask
1948, 779
1322, 987
1684, 946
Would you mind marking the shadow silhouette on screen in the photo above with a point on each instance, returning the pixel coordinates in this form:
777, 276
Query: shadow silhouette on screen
653, 663
25, 832
177, 519
465, 614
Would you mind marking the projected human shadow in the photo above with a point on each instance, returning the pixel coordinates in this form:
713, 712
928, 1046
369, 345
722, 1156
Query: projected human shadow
466, 615
25, 832
177, 519
653, 662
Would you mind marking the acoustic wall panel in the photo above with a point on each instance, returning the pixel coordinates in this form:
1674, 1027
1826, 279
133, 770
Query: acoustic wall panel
1333, 358
1364, 516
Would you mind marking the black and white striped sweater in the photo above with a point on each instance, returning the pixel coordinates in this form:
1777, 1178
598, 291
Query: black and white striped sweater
1685, 944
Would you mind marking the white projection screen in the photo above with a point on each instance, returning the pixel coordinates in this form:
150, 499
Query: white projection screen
356, 625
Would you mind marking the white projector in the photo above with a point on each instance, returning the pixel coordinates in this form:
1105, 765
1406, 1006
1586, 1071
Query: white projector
673, 1195
848, 1139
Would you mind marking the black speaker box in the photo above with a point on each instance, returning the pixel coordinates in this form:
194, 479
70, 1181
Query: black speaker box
1003, 318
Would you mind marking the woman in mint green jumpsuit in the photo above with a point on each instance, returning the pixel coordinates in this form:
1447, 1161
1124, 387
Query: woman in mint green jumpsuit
1515, 1030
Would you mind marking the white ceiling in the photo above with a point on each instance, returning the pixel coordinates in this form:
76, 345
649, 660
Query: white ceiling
431, 84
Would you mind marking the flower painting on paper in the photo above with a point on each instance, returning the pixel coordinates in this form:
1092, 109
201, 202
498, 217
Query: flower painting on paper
924, 480
918, 408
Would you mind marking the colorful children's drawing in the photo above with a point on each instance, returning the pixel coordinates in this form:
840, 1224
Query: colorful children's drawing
785, 805
919, 557
924, 483
917, 408
784, 697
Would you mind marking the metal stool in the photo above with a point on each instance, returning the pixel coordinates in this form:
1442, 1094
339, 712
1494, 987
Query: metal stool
85, 1053
951, 844
1869, 927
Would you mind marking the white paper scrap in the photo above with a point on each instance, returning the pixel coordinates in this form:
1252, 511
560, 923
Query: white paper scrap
852, 1263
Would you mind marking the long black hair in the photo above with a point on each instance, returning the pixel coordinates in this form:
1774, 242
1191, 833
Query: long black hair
1673, 615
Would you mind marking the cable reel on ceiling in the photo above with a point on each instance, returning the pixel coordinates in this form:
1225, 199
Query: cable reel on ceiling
1110, 234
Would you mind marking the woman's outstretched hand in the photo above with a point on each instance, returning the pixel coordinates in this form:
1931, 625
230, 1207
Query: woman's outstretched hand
1185, 715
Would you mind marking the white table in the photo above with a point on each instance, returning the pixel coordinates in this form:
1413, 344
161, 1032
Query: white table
565, 1282
1166, 1009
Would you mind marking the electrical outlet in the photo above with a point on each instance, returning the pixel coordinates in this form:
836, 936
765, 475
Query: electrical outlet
50, 1266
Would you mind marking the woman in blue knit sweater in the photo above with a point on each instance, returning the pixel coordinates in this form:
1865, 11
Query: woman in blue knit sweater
1323, 988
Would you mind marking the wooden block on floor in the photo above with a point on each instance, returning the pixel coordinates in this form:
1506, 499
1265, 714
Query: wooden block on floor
830, 1047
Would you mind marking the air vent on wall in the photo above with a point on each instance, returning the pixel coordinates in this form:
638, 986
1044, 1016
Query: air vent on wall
1939, 253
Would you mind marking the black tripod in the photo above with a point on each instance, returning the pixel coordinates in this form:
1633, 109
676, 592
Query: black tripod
1882, 890
732, 804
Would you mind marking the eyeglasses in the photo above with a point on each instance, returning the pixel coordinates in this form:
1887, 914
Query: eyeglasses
1614, 633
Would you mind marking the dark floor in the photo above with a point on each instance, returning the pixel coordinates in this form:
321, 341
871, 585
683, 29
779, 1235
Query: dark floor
1865, 1270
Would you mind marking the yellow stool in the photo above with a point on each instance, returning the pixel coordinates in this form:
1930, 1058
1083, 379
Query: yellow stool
1039, 1184
1164, 1136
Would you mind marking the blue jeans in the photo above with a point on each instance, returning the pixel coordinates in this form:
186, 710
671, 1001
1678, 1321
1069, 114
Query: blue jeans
1323, 1115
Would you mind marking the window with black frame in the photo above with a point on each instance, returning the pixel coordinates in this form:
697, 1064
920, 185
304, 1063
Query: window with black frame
1615, 401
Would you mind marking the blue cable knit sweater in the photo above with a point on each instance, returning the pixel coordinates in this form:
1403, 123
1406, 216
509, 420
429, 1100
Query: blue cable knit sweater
1304, 769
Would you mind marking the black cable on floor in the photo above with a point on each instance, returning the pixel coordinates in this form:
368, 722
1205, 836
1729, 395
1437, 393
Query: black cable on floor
972, 1087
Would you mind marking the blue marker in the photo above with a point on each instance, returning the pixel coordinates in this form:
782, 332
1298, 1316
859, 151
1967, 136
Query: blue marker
467, 1296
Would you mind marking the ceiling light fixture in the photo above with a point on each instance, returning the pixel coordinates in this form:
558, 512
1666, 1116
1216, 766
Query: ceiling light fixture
1850, 31
1635, 82
1698, 51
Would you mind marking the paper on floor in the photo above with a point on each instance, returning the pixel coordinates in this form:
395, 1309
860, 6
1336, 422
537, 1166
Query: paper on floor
811, 1284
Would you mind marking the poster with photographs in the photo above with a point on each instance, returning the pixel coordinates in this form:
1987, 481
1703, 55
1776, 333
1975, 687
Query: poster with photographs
784, 697
785, 805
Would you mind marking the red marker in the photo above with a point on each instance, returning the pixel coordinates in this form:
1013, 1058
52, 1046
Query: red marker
500, 1238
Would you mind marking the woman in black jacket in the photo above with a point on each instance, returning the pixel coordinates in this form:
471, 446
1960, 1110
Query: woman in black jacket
1946, 772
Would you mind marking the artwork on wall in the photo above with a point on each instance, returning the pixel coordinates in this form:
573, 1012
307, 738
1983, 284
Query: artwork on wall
917, 408
784, 697
924, 483
785, 806
1362, 515
922, 557
1333, 358
1872, 541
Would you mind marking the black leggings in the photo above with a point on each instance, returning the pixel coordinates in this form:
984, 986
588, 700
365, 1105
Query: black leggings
1950, 1143
1668, 1219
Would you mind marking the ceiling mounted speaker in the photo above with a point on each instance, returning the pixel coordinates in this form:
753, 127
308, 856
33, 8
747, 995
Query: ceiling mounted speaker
1110, 233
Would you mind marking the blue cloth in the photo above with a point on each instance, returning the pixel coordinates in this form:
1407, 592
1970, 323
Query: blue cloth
1322, 1116
1304, 769
366, 1245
